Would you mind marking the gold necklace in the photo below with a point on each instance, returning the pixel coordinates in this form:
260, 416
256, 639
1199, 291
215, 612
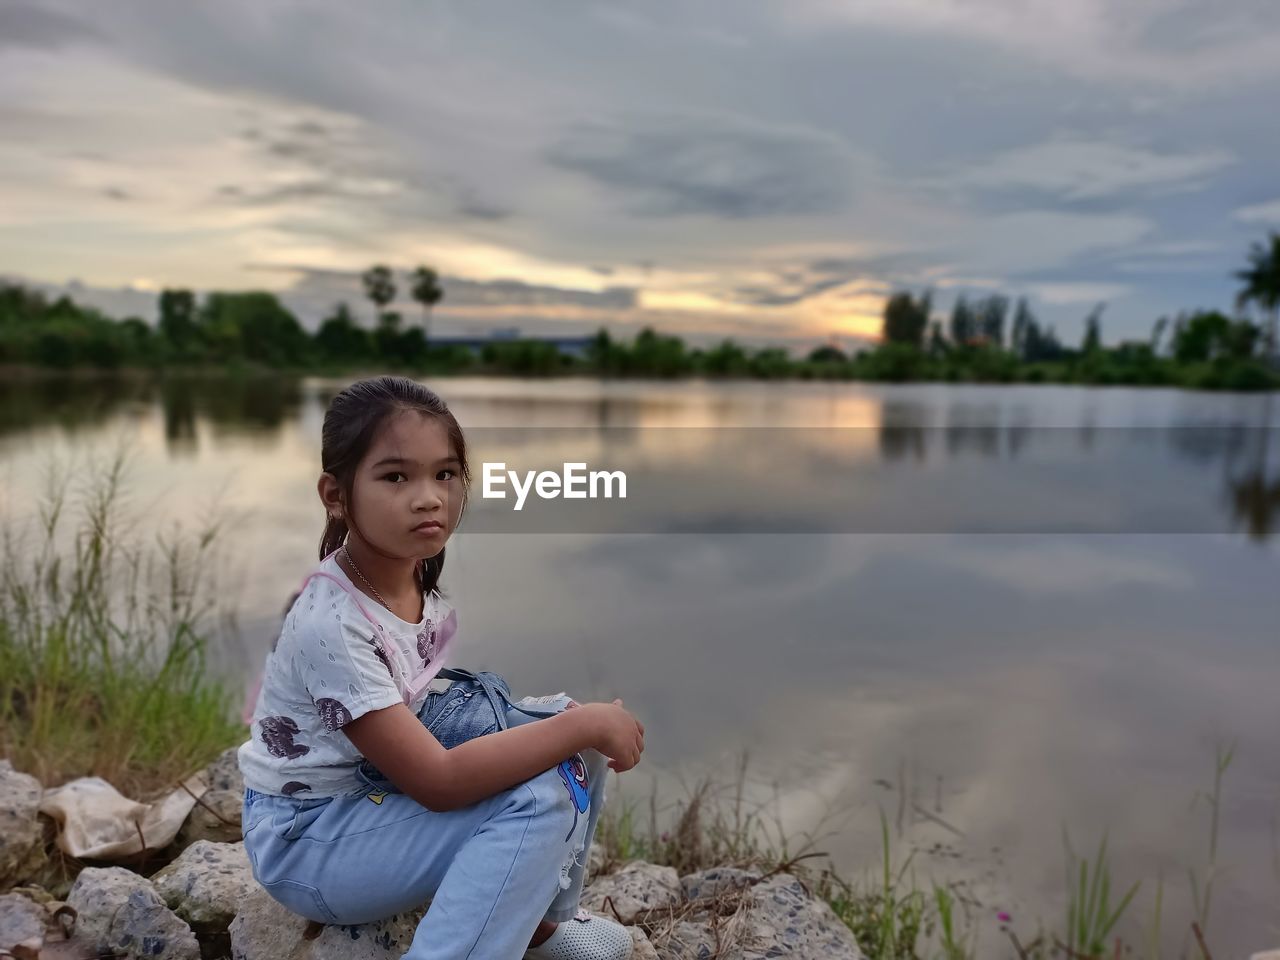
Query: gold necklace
347, 553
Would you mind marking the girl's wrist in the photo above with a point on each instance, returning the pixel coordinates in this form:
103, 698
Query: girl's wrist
585, 717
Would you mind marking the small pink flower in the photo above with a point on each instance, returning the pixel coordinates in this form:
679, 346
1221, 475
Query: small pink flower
1003, 917
665, 836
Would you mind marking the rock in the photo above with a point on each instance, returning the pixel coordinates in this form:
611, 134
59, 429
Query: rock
120, 911
1266, 955
224, 773
715, 881
783, 920
595, 861
215, 817
206, 885
637, 887
687, 941
264, 930
22, 925
641, 948
21, 836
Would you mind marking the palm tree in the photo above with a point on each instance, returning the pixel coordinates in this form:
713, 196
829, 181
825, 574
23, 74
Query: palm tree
379, 287
426, 290
1262, 285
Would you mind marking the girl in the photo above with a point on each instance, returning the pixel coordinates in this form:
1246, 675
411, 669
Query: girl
353, 810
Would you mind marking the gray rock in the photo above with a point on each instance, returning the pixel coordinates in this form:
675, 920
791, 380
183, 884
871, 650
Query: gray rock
224, 773
686, 941
637, 887
264, 930
641, 948
595, 861
715, 881
777, 918
119, 911
22, 923
21, 836
215, 817
206, 885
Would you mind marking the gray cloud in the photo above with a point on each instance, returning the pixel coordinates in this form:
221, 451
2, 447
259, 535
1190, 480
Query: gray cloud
784, 295
26, 25
315, 291
713, 166
981, 146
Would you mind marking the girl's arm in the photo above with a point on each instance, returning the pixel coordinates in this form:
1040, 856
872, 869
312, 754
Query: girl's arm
397, 743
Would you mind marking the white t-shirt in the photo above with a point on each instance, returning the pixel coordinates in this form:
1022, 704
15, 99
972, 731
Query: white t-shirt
340, 654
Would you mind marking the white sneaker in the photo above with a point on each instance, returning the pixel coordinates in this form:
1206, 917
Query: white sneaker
585, 937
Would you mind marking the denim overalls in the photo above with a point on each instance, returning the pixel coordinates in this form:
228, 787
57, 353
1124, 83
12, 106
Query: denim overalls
490, 869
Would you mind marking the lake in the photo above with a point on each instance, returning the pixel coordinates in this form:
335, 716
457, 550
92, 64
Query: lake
990, 612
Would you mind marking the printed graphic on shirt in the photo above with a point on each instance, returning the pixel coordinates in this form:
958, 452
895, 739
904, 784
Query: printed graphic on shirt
574, 774
333, 714
278, 734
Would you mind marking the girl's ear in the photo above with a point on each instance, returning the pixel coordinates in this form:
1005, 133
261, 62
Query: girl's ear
331, 495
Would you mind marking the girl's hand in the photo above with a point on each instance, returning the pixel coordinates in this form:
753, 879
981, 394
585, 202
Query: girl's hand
619, 735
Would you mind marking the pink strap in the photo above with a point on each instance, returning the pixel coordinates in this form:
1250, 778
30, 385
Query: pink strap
412, 687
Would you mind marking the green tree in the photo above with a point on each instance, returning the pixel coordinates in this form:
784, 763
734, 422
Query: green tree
656, 355
1201, 336
604, 355
379, 287
905, 318
340, 338
252, 325
1023, 320
989, 315
963, 327
770, 363
937, 345
427, 291
178, 320
386, 335
827, 354
1092, 342
1262, 286
725, 359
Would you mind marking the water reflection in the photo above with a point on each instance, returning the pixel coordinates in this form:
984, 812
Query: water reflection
997, 682
717, 479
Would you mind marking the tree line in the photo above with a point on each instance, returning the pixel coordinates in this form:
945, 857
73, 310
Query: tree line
984, 339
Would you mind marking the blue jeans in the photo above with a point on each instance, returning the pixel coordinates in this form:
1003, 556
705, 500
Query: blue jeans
492, 870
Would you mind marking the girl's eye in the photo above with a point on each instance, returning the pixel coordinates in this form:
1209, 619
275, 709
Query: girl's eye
396, 473
442, 475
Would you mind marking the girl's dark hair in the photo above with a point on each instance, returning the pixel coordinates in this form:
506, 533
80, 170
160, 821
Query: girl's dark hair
350, 424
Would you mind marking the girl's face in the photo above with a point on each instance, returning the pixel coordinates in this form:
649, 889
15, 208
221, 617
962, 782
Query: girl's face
408, 489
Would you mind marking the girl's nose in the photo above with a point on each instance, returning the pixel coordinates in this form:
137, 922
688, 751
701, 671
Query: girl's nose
428, 496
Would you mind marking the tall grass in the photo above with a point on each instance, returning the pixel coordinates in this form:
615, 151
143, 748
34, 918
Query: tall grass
103, 641
891, 917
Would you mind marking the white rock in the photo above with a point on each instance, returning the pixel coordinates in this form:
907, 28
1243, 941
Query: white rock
264, 930
777, 918
641, 948
206, 885
637, 887
216, 817
21, 836
224, 773
22, 923
119, 911
1266, 955
716, 880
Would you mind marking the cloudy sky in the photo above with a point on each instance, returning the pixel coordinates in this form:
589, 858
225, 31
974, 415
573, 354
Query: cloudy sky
765, 170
